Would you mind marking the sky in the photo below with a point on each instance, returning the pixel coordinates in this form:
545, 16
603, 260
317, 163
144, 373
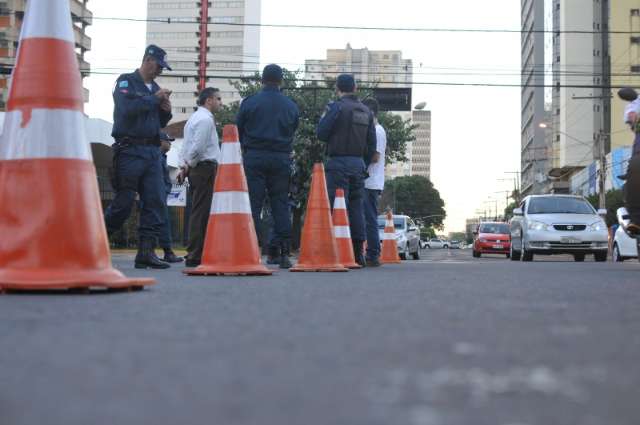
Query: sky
475, 130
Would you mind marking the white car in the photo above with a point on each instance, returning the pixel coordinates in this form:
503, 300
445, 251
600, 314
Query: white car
437, 243
558, 224
624, 246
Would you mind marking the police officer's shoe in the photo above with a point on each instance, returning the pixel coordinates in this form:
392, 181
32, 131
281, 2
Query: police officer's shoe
273, 255
191, 263
147, 258
358, 254
171, 257
373, 262
285, 261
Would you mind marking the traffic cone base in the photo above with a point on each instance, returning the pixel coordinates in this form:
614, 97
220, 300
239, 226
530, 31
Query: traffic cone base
318, 252
231, 243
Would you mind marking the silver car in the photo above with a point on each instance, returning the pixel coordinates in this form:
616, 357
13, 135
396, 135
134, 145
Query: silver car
406, 234
558, 224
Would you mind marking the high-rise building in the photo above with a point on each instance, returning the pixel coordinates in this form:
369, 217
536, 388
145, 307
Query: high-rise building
625, 62
533, 147
384, 68
233, 50
577, 101
421, 149
11, 17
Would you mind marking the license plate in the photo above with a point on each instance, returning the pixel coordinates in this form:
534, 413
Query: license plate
498, 247
569, 239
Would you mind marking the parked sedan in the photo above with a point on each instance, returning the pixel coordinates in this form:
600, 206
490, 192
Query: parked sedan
558, 224
406, 234
437, 243
492, 238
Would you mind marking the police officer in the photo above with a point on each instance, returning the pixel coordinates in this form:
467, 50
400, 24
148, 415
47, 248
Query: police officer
165, 239
348, 127
141, 108
267, 122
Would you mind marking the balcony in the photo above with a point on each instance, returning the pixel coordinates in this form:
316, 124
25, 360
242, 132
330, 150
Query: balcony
82, 40
80, 13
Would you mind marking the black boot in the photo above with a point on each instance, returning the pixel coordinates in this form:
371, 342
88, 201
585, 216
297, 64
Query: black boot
358, 254
285, 261
171, 257
146, 257
273, 255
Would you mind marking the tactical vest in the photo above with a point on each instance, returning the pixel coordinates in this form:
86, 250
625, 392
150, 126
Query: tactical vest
349, 135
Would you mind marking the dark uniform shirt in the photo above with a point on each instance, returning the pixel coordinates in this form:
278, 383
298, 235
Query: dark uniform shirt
349, 129
267, 121
137, 112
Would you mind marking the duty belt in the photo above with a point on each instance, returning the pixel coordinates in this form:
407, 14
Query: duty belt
136, 141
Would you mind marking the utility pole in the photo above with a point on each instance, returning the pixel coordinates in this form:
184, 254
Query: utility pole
204, 35
603, 136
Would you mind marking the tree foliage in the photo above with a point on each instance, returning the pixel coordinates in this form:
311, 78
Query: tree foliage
614, 199
416, 197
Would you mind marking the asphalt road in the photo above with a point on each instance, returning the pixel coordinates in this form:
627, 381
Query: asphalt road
446, 340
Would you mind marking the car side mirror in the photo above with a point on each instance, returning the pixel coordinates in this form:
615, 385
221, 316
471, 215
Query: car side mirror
517, 211
475, 233
602, 212
412, 228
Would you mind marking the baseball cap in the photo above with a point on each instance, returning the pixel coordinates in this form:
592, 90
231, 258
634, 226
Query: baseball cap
158, 54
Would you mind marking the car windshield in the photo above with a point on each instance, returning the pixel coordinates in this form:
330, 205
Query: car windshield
559, 205
398, 223
498, 228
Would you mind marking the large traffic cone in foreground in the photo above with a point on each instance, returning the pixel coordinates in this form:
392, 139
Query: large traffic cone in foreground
231, 244
318, 252
389, 245
52, 233
342, 232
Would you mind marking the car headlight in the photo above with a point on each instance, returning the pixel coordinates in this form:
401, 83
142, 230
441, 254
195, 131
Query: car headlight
597, 226
537, 225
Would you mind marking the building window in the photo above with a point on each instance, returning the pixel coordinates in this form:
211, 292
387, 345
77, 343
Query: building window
635, 68
635, 12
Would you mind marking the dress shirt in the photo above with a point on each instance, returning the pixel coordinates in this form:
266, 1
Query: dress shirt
200, 139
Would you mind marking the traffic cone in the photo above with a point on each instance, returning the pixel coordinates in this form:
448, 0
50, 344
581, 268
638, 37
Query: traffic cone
389, 246
51, 224
319, 251
342, 232
231, 244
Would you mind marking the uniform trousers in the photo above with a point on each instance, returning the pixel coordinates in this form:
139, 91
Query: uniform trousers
347, 173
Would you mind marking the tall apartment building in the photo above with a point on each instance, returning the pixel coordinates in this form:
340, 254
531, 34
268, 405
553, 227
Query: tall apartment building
421, 149
533, 147
624, 50
233, 50
11, 17
386, 68
578, 118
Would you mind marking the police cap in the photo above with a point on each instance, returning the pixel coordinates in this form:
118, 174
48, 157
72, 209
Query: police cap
158, 54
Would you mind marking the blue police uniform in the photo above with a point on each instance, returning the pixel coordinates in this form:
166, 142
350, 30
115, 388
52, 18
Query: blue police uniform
348, 128
137, 119
267, 122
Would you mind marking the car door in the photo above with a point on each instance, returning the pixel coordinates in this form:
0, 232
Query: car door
412, 236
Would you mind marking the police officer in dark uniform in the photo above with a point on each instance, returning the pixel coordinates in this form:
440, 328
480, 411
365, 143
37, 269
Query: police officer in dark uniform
141, 108
348, 127
165, 239
267, 122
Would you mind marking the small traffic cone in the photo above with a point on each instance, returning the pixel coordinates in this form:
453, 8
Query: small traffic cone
342, 232
319, 251
51, 224
231, 244
389, 245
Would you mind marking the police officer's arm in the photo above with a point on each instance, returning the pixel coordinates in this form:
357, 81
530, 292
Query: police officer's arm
371, 141
129, 103
325, 126
165, 116
241, 120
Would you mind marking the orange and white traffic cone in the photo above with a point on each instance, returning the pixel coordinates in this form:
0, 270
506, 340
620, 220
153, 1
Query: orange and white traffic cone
389, 245
318, 251
342, 232
51, 224
231, 244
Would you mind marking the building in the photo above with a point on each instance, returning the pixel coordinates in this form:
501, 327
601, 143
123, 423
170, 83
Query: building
534, 153
11, 16
233, 50
578, 122
625, 63
421, 147
386, 68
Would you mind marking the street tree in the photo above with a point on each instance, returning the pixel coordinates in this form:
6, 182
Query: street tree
416, 197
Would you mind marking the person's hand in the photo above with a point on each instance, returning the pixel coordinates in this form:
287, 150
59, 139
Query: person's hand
183, 174
163, 94
165, 105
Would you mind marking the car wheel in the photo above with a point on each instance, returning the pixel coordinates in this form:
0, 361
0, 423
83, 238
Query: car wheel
405, 251
445, 246
508, 255
416, 255
475, 254
615, 254
526, 255
600, 256
513, 254
578, 258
